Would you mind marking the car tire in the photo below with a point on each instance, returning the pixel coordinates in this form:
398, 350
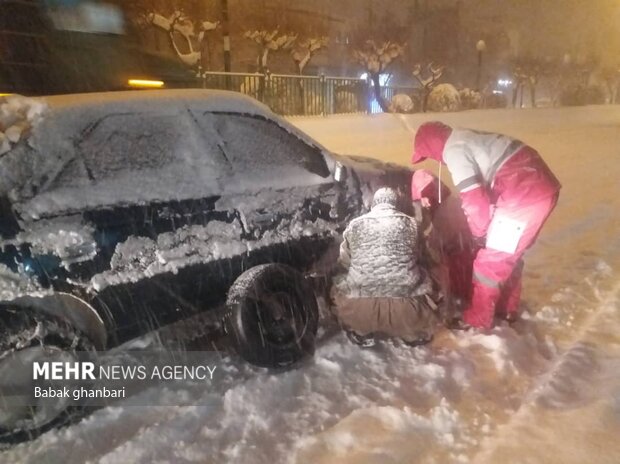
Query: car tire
272, 316
27, 335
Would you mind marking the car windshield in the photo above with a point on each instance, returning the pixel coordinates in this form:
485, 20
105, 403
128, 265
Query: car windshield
262, 149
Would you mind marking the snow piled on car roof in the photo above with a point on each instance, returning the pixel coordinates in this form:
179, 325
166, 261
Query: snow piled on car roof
53, 157
18, 115
216, 100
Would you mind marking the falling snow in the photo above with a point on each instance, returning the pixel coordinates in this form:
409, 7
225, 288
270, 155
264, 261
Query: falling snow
545, 390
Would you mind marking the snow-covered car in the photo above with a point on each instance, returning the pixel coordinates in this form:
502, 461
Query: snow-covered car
123, 212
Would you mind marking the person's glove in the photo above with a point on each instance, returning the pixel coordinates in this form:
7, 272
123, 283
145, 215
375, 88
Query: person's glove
479, 242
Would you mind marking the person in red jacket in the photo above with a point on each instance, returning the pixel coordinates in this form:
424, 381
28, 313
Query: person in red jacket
448, 237
507, 193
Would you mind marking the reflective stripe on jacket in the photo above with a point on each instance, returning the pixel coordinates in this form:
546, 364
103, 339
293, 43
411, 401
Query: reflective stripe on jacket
474, 158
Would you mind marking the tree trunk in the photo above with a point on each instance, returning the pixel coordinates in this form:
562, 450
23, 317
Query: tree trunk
515, 94
263, 60
205, 58
376, 83
262, 69
425, 97
533, 94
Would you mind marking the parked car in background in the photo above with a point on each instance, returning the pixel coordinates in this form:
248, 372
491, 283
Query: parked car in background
125, 211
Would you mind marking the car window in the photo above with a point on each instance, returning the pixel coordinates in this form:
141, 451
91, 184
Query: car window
133, 142
133, 158
265, 151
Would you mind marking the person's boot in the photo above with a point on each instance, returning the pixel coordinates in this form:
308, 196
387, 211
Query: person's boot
510, 317
481, 309
365, 341
458, 324
423, 339
508, 304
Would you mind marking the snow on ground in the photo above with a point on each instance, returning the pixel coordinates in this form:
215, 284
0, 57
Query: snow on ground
545, 391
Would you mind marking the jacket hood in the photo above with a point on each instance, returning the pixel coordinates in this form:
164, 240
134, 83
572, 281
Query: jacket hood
430, 140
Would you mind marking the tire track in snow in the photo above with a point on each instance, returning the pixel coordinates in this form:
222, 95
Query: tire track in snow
570, 409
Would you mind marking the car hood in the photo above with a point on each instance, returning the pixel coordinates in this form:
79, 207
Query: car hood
373, 174
363, 163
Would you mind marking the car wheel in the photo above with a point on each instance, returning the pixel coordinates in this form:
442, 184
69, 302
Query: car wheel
272, 316
27, 336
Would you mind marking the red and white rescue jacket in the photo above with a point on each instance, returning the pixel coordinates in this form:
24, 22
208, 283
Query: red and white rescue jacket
487, 168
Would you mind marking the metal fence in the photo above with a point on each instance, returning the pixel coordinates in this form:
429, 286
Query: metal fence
292, 95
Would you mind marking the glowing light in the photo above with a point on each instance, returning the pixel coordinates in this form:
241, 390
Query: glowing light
5, 94
145, 84
504, 82
384, 79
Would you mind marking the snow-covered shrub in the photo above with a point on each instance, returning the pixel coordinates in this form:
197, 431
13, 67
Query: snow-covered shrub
444, 98
18, 115
577, 95
401, 103
470, 99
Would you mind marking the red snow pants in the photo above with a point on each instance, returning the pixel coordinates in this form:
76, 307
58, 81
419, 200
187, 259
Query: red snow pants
496, 280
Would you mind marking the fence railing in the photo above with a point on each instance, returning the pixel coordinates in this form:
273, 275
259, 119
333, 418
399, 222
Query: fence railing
292, 95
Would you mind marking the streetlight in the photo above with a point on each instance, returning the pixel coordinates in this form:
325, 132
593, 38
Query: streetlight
226, 34
481, 46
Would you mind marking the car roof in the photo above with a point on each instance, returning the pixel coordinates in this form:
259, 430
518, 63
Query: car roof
207, 100
74, 108
50, 143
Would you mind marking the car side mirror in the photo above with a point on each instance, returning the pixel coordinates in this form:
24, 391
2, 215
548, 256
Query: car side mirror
340, 173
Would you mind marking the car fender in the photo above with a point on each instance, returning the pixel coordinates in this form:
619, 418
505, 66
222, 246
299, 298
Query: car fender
70, 308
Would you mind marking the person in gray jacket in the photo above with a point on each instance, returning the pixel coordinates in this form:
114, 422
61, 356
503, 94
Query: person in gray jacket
384, 291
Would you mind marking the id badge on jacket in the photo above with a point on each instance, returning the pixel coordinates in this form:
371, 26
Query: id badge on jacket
504, 234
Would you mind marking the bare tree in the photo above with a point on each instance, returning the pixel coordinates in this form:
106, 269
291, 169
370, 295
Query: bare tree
428, 83
528, 71
304, 50
376, 59
269, 41
519, 78
181, 28
302, 53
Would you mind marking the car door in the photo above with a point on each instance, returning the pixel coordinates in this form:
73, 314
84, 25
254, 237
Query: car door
136, 190
290, 205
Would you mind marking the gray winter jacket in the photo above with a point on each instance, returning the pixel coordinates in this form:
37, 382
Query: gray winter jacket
380, 251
